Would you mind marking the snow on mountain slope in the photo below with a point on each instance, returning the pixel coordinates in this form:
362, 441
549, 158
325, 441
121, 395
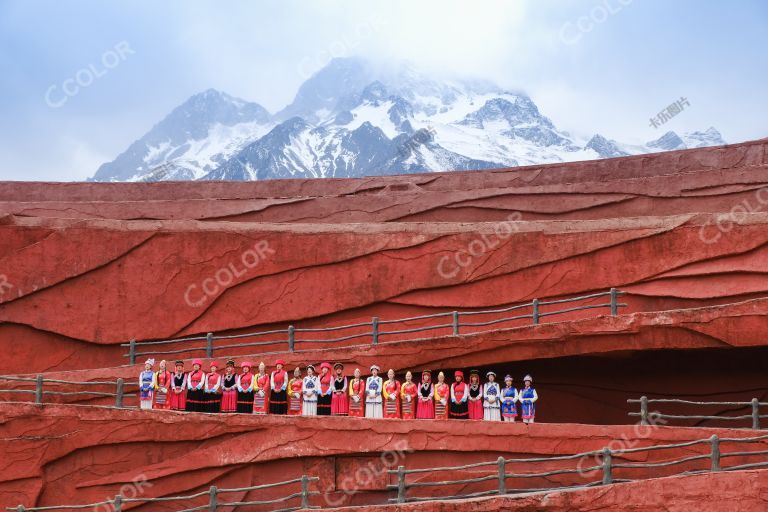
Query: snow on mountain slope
350, 119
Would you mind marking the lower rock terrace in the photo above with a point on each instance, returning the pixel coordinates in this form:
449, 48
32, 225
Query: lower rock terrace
84, 268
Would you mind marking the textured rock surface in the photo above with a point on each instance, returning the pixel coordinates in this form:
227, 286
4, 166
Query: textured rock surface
69, 455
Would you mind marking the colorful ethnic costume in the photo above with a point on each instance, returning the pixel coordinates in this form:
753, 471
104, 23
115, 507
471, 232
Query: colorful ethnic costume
475, 402
295, 386
278, 385
491, 401
162, 386
310, 390
357, 398
391, 393
442, 397
212, 391
459, 396
408, 392
178, 398
339, 399
425, 406
261, 393
326, 388
229, 392
508, 407
146, 386
195, 392
245, 390
373, 387
527, 398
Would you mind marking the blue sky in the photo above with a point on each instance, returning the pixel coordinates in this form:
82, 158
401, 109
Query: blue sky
602, 66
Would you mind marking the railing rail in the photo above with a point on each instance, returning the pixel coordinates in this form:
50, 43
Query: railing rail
213, 495
605, 467
137, 348
644, 401
40, 393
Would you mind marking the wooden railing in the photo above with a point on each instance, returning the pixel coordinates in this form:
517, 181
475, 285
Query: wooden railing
454, 323
644, 415
213, 495
39, 393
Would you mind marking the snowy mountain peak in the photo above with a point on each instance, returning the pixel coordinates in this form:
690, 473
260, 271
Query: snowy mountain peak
605, 148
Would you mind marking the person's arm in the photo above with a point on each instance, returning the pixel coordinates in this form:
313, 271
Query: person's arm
535, 396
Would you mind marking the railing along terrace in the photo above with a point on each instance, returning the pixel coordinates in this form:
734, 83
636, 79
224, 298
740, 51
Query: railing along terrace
374, 330
644, 415
39, 393
212, 494
605, 468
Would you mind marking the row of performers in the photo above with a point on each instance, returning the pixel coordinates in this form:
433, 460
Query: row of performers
332, 393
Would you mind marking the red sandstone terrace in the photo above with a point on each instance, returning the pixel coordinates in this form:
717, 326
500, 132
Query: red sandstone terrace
683, 236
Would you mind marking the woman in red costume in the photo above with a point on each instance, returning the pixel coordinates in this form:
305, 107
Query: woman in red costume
294, 393
475, 396
391, 394
278, 389
442, 397
357, 395
326, 389
178, 395
195, 384
229, 388
339, 399
425, 405
212, 389
261, 390
408, 393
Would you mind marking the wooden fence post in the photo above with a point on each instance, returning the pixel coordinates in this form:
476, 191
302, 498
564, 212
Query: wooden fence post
614, 302
291, 338
118, 503
212, 501
715, 454
535, 305
304, 491
502, 476
755, 414
401, 484
455, 323
39, 390
209, 345
119, 393
644, 410
607, 471
375, 330
132, 352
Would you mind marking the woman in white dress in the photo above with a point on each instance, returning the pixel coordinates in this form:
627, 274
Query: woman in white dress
491, 399
310, 390
373, 387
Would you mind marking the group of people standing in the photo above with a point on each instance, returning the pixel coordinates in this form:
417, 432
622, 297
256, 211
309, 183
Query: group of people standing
331, 393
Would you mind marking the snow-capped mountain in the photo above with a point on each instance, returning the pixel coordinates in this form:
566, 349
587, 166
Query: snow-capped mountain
351, 119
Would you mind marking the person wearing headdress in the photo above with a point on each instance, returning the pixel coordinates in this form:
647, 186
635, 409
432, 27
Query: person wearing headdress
326, 389
508, 399
178, 398
295, 386
408, 393
261, 390
528, 397
213, 389
475, 402
161, 386
357, 395
278, 386
310, 392
491, 398
229, 388
195, 384
459, 396
425, 405
339, 399
442, 396
245, 394
391, 393
373, 387
147, 384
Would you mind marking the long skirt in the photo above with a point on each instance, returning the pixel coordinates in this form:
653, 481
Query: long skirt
492, 414
356, 409
260, 403
475, 409
441, 411
309, 408
229, 400
178, 400
508, 410
324, 405
373, 410
392, 408
162, 400
408, 409
213, 402
145, 398
294, 404
245, 402
339, 404
195, 400
528, 410
146, 404
278, 402
459, 411
425, 409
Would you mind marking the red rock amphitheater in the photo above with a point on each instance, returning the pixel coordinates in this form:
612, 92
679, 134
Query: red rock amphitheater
681, 236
